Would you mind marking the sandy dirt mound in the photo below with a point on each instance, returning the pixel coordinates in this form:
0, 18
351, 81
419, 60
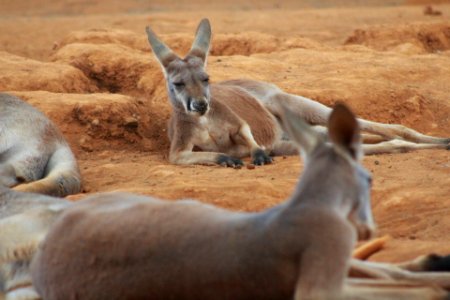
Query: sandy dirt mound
367, 81
23, 74
91, 121
41, 32
327, 76
113, 67
411, 38
223, 44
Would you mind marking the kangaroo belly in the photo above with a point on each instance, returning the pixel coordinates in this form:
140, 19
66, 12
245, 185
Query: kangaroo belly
263, 125
205, 142
216, 136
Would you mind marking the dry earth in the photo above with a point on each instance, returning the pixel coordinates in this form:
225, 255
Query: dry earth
87, 65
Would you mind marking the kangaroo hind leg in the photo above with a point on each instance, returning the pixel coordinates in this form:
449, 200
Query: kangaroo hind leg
399, 146
396, 131
317, 114
62, 177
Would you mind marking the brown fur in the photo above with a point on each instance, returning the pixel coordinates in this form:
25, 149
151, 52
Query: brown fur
124, 246
262, 124
34, 156
197, 114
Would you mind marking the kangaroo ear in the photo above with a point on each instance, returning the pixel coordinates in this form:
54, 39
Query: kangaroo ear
160, 50
200, 47
344, 130
300, 132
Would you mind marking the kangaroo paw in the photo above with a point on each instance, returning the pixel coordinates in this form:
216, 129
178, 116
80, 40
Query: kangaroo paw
228, 161
261, 158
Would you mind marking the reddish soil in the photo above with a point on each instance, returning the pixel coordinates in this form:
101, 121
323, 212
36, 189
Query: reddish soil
87, 65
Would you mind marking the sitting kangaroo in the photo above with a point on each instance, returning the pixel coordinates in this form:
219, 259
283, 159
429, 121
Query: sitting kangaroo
34, 156
233, 119
124, 246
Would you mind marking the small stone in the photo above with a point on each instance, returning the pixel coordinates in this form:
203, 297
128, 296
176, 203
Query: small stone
429, 10
95, 122
85, 144
131, 122
250, 166
376, 162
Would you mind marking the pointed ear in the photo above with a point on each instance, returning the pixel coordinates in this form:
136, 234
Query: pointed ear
200, 47
160, 50
300, 132
344, 131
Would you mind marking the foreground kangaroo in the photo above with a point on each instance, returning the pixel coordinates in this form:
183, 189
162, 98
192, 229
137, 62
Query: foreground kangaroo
124, 246
237, 118
34, 156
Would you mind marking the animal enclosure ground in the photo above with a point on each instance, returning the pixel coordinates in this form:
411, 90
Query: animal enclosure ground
87, 65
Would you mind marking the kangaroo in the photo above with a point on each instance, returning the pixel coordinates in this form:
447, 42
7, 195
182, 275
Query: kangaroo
124, 246
230, 120
34, 156
24, 221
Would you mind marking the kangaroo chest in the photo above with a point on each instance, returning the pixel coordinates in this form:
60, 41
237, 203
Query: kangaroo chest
210, 134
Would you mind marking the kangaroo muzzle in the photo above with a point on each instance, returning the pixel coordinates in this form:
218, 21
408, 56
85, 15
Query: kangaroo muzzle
198, 106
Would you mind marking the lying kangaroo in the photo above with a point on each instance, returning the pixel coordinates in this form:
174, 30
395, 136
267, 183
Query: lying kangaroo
24, 221
34, 156
124, 246
237, 118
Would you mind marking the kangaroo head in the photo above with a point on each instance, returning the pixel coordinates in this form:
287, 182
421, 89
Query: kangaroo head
187, 80
333, 173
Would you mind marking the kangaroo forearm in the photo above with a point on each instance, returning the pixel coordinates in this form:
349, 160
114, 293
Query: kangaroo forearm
188, 158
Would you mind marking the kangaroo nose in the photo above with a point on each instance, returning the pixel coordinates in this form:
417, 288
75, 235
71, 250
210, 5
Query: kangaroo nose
200, 106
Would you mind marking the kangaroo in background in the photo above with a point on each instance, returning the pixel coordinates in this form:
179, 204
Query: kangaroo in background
34, 156
233, 119
125, 246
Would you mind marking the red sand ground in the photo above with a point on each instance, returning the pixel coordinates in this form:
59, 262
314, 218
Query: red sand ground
87, 65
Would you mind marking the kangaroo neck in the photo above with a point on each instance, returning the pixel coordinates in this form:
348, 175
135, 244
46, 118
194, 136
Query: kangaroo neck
319, 188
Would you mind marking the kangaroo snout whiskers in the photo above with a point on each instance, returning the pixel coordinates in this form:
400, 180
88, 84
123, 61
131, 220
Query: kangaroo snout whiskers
200, 106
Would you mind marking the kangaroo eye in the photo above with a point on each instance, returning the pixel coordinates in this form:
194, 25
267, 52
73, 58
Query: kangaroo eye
179, 84
206, 80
